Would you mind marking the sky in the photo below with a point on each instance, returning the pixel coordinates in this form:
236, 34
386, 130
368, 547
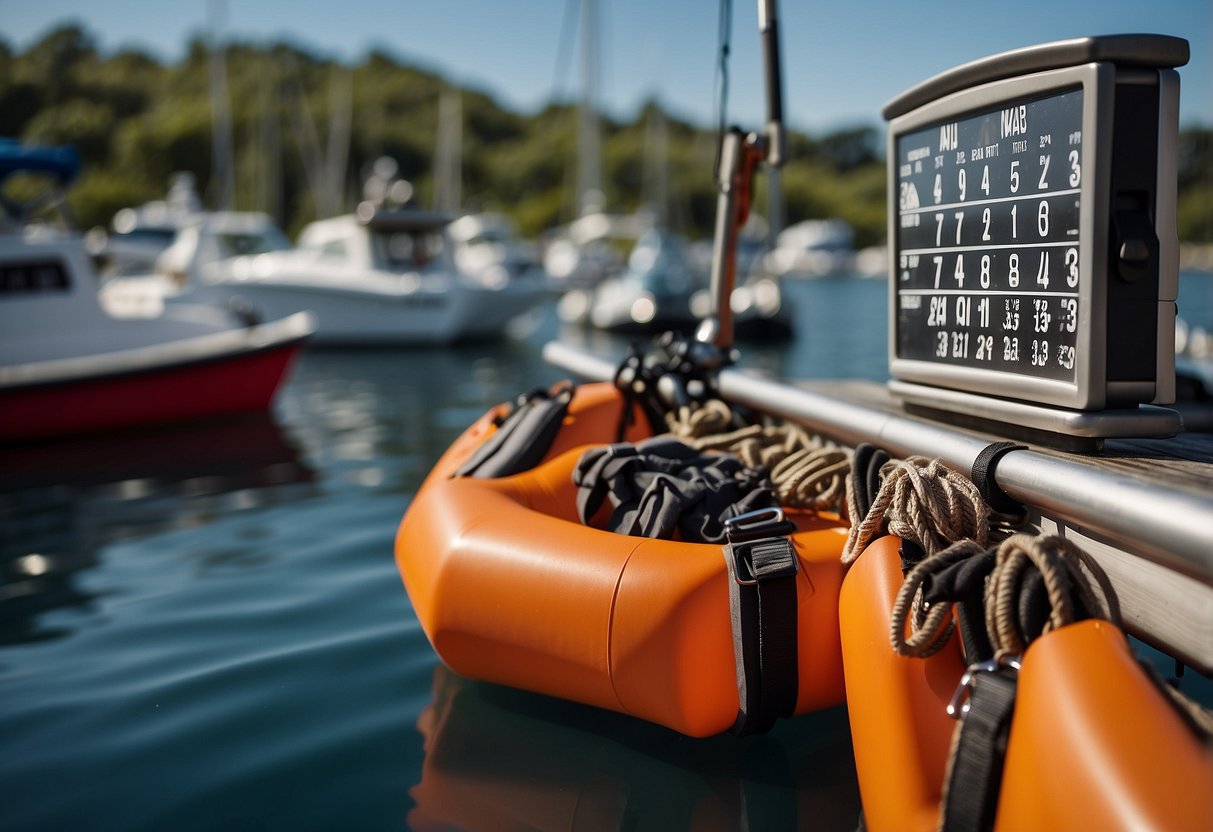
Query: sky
843, 59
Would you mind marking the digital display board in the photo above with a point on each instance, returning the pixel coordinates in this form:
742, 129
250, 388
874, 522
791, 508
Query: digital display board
1031, 226
988, 239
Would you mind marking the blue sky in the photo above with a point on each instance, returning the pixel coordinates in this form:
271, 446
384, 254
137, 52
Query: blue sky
843, 59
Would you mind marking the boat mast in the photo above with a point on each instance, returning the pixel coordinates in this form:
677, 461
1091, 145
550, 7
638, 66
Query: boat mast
448, 161
223, 179
589, 151
740, 155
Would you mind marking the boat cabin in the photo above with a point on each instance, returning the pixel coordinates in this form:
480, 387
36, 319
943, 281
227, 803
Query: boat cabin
386, 240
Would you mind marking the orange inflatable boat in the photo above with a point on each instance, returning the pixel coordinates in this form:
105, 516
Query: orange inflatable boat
1093, 744
510, 587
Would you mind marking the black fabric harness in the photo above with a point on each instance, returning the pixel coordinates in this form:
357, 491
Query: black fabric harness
661, 486
980, 750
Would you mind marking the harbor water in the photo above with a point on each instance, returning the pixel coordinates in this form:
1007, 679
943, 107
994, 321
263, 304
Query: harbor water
202, 628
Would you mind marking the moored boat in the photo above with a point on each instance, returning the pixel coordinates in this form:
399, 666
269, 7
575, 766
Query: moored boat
67, 366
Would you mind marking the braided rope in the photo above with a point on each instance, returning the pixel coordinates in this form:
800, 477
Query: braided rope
932, 629
1066, 569
921, 500
807, 472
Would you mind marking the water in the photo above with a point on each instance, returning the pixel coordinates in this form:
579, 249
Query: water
203, 628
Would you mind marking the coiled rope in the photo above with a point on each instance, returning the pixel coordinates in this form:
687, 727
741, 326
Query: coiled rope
920, 500
807, 471
1069, 573
933, 626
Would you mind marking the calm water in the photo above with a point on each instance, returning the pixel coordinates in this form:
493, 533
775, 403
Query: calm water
204, 628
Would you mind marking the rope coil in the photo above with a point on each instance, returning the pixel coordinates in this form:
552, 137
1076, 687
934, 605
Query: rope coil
807, 472
923, 501
1069, 574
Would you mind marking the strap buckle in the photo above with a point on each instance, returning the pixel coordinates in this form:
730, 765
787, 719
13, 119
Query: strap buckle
956, 709
761, 522
759, 546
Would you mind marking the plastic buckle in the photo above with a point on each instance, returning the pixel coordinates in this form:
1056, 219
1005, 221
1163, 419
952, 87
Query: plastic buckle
956, 710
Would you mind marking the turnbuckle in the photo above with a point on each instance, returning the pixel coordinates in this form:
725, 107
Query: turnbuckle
956, 710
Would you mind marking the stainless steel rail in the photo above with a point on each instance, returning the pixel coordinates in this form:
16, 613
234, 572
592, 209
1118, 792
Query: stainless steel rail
1172, 527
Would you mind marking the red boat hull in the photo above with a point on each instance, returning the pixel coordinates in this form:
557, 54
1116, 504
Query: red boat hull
233, 383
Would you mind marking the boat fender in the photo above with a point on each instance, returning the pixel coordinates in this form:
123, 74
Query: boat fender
523, 436
661, 486
762, 568
973, 781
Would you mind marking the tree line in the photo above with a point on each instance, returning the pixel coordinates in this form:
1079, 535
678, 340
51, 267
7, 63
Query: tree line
305, 131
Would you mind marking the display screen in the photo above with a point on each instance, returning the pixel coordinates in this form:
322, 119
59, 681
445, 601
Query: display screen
988, 245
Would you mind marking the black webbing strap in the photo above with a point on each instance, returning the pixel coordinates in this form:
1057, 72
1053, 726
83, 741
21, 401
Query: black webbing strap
982, 476
975, 771
865, 469
765, 618
523, 436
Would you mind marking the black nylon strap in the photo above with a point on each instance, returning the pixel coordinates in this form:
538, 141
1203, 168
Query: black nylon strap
763, 609
982, 476
523, 436
865, 468
975, 770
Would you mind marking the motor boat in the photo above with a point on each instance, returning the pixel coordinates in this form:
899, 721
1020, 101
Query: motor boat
652, 294
659, 290
588, 250
813, 248
487, 246
138, 236
379, 275
67, 366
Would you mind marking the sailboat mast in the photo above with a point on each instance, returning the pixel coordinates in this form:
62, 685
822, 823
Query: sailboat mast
589, 161
223, 178
448, 156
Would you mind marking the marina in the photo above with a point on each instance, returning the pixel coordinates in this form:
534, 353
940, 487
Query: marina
722, 534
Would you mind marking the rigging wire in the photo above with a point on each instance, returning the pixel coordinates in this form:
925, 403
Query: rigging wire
725, 28
564, 53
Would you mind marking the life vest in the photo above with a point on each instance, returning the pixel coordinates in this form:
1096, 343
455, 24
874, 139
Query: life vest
511, 588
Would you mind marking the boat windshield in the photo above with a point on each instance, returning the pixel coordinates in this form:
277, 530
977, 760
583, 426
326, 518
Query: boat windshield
407, 250
234, 244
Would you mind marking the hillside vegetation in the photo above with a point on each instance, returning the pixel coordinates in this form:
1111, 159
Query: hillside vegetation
136, 121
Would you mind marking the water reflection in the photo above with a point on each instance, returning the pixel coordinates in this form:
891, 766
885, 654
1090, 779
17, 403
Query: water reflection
496, 758
379, 418
63, 501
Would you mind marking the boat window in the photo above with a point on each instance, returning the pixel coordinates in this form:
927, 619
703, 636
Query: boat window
236, 244
162, 236
407, 250
32, 277
333, 248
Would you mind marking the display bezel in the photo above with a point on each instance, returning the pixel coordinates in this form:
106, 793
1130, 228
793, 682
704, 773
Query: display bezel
1088, 391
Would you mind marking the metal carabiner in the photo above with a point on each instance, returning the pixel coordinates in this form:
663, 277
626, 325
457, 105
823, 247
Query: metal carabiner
956, 710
